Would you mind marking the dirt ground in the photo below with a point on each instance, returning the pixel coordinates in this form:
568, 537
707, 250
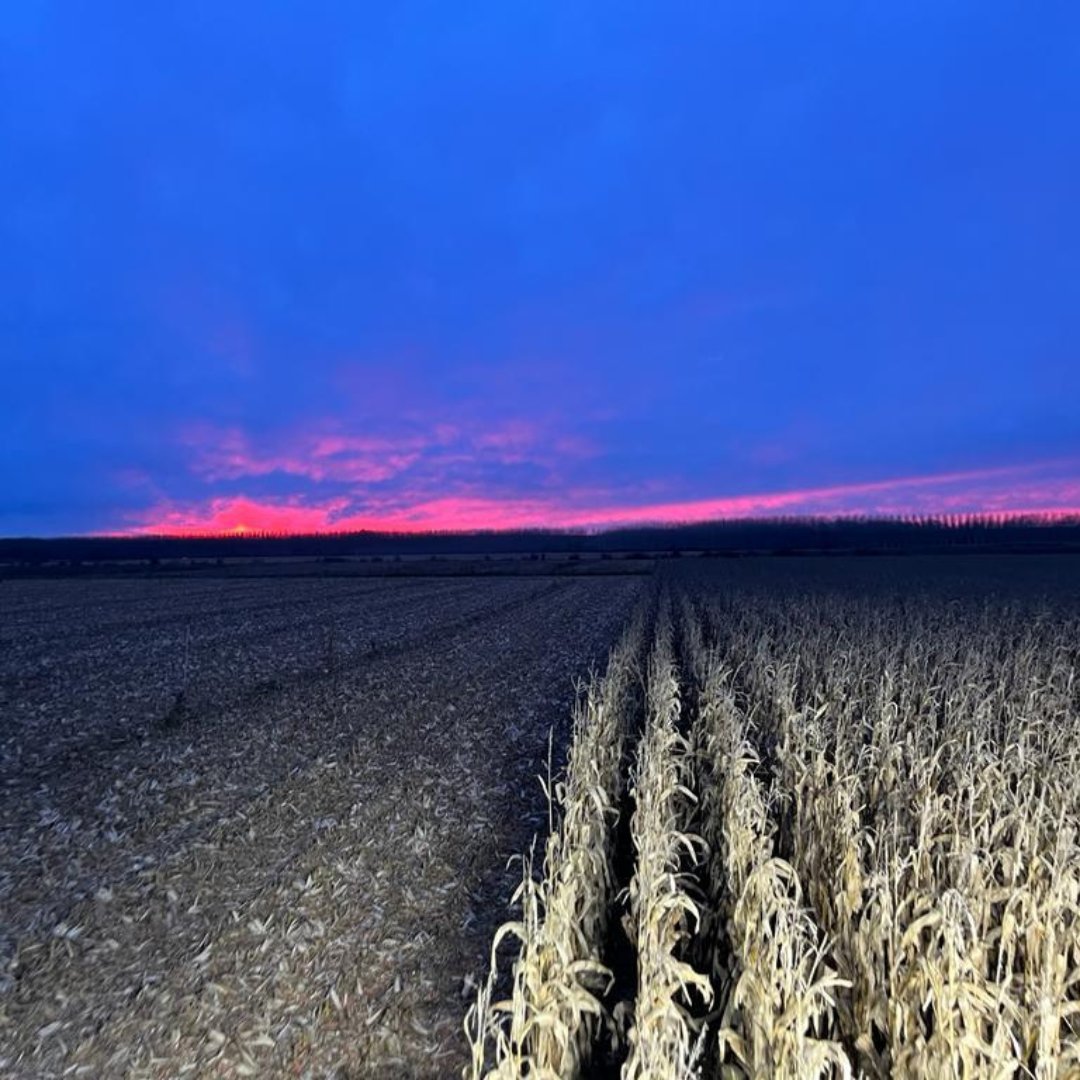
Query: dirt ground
260, 827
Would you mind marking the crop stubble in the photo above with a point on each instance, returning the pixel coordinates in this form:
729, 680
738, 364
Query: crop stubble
292, 879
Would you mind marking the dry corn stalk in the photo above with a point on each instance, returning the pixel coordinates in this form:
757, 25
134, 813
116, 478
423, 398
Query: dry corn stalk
768, 957
665, 1041
784, 997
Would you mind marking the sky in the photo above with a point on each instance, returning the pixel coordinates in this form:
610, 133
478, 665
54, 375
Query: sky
312, 266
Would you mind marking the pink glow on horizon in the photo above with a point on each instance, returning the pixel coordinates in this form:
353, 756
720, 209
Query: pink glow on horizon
1003, 492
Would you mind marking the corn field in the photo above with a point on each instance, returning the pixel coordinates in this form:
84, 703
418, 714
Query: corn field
825, 831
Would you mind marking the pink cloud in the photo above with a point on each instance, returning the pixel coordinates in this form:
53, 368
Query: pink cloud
229, 454
322, 452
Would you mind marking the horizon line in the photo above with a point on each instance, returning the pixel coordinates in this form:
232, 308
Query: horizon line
992, 518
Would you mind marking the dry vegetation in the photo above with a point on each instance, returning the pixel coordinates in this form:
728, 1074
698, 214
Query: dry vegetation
929, 765
854, 818
663, 914
769, 961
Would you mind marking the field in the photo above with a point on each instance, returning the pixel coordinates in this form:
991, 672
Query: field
260, 825
808, 817
832, 832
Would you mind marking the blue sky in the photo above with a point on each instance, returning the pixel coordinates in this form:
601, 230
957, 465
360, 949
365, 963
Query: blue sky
340, 265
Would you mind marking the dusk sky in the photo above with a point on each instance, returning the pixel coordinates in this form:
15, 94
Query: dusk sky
435, 265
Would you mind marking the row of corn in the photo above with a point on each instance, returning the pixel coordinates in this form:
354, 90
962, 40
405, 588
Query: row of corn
665, 1040
767, 956
731, 976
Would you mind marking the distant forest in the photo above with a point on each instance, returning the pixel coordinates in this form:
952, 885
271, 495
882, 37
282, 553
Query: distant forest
777, 536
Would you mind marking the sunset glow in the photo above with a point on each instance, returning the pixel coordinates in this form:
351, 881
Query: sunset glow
1028, 491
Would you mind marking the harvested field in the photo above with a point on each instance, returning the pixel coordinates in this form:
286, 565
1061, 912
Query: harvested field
261, 826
